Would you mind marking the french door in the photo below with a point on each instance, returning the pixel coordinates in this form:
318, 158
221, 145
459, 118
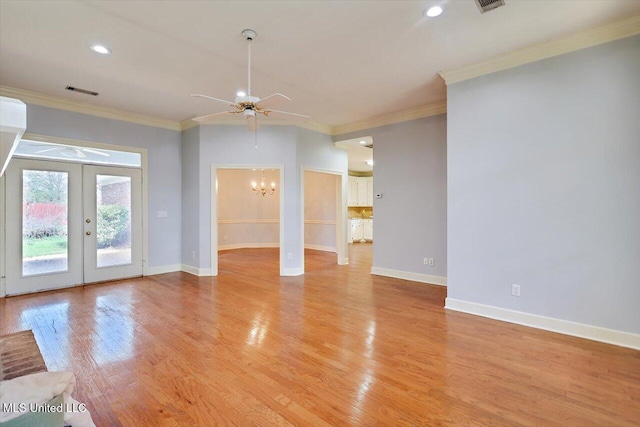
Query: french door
69, 224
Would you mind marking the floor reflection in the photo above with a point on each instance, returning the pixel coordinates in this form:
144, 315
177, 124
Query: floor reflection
258, 330
50, 325
113, 337
363, 389
371, 337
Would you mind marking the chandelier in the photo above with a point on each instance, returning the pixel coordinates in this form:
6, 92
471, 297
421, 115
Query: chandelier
262, 188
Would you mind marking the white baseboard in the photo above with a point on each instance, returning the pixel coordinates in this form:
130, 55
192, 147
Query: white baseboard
196, 271
320, 248
407, 275
595, 333
151, 271
296, 271
345, 262
248, 245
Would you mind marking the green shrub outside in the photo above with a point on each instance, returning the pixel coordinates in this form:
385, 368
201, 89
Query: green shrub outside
112, 225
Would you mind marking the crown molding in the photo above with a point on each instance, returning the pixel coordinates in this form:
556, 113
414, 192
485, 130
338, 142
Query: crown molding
85, 108
112, 113
388, 119
188, 124
583, 39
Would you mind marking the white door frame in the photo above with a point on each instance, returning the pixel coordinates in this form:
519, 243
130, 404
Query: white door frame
214, 211
341, 212
90, 270
91, 144
72, 276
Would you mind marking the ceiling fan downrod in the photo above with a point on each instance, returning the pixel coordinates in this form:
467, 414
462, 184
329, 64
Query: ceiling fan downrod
249, 35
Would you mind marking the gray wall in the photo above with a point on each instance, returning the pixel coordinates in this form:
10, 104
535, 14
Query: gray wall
544, 187
229, 145
190, 195
410, 169
235, 145
164, 165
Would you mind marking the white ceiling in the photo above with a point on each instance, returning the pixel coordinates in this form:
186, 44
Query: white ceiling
358, 153
340, 61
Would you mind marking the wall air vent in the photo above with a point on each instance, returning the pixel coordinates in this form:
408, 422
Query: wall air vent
84, 91
487, 5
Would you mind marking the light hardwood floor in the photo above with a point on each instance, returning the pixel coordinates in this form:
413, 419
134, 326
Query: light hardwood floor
334, 347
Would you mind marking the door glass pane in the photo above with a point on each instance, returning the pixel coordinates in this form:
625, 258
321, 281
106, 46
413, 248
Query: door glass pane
113, 224
44, 222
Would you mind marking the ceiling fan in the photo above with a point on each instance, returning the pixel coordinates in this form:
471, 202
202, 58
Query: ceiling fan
246, 104
68, 151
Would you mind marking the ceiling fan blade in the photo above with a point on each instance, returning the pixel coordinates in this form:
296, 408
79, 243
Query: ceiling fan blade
272, 100
268, 113
252, 123
231, 103
47, 150
94, 151
211, 116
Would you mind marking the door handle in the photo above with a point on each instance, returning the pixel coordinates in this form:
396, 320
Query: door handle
88, 233
87, 220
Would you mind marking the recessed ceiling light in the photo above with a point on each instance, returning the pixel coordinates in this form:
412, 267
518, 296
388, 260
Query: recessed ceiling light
241, 93
98, 48
370, 162
363, 142
433, 11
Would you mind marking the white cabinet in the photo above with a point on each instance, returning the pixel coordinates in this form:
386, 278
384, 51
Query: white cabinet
367, 229
356, 230
353, 191
361, 230
360, 191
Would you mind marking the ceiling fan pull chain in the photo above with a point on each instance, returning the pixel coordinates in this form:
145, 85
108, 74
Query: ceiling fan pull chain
255, 133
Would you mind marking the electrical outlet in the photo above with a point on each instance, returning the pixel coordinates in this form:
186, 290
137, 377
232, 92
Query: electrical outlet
515, 290
162, 214
426, 261
431, 261
289, 255
193, 254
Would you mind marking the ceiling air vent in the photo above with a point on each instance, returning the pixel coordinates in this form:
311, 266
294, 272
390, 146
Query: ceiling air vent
86, 92
487, 5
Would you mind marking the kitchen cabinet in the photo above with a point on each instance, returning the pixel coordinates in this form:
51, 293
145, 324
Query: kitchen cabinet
353, 191
361, 230
360, 191
367, 229
356, 230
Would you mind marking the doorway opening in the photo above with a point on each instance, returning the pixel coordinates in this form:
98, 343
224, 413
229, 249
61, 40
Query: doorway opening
360, 198
323, 219
247, 219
